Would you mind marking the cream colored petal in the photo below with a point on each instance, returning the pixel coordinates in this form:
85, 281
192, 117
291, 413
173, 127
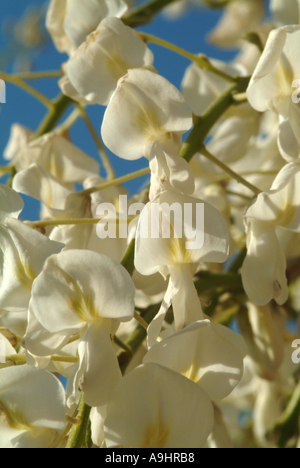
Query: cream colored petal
176, 413
213, 356
11, 204
144, 108
95, 68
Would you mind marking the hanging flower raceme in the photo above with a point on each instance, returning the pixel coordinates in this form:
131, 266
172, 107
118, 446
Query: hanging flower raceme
32, 408
273, 84
147, 116
70, 21
23, 252
86, 293
109, 52
263, 271
155, 407
175, 246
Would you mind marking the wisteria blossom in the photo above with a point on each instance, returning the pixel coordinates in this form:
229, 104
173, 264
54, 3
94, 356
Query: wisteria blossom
150, 228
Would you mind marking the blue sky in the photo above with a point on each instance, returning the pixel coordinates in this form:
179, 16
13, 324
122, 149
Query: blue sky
189, 32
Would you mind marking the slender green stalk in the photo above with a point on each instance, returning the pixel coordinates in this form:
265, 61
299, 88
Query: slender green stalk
26, 87
78, 432
114, 182
204, 124
128, 259
74, 222
287, 426
60, 105
146, 12
201, 60
229, 171
39, 75
105, 159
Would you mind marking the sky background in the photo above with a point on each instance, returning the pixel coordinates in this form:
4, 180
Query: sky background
188, 32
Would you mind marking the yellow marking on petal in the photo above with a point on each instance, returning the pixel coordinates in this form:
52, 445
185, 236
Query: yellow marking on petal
82, 304
156, 435
286, 215
192, 373
14, 418
178, 254
24, 273
116, 67
150, 125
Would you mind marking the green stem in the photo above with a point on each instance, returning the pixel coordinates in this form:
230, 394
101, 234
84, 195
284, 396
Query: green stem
60, 105
201, 60
39, 75
207, 281
201, 129
145, 13
287, 425
137, 337
26, 87
78, 432
128, 259
112, 183
105, 159
229, 171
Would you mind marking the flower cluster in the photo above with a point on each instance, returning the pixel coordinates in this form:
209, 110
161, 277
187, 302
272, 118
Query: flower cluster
144, 326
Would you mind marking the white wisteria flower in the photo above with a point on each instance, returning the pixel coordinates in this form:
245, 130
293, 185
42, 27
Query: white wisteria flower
65, 161
70, 21
273, 84
263, 271
32, 408
81, 292
212, 358
155, 407
23, 252
147, 116
240, 17
176, 248
95, 68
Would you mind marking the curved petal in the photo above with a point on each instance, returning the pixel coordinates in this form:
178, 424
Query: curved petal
144, 108
213, 357
98, 370
263, 271
81, 287
176, 412
11, 204
95, 68
83, 18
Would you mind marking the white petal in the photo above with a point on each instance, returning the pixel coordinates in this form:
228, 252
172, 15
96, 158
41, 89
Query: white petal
169, 171
81, 287
41, 185
263, 271
95, 68
99, 371
82, 19
11, 204
33, 398
154, 407
55, 25
199, 239
144, 108
213, 357
22, 256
